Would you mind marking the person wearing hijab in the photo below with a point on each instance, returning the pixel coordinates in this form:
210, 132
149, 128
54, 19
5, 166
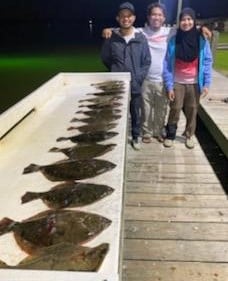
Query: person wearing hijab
187, 75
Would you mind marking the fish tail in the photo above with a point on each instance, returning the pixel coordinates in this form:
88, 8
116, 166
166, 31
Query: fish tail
55, 149
61, 139
29, 196
6, 225
31, 168
71, 128
74, 120
3, 264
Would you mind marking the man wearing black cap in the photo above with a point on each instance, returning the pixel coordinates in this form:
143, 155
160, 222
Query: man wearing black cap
127, 51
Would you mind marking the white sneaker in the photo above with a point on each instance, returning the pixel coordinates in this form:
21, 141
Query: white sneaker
136, 144
189, 143
168, 143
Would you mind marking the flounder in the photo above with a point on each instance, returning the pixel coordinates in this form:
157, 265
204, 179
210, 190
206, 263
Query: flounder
70, 194
52, 227
102, 99
64, 256
106, 118
69, 170
102, 105
93, 127
109, 85
88, 151
90, 137
114, 92
104, 112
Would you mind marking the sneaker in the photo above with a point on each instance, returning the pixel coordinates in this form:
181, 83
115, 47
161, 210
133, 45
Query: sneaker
136, 144
189, 143
146, 139
168, 143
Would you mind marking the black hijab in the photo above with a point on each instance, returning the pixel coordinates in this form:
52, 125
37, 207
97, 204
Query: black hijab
187, 42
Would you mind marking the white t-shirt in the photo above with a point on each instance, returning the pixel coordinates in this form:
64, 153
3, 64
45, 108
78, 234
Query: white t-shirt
127, 38
158, 41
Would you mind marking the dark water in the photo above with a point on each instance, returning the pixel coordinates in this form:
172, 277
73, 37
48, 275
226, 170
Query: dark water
215, 156
27, 36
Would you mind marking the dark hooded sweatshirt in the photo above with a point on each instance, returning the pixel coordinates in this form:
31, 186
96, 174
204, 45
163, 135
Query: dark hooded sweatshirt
133, 57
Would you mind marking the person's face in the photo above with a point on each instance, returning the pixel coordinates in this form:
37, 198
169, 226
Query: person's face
156, 18
186, 23
125, 19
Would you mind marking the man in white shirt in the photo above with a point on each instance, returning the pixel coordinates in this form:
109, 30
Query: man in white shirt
154, 97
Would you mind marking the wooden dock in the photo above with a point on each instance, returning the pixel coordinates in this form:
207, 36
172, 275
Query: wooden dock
176, 216
214, 111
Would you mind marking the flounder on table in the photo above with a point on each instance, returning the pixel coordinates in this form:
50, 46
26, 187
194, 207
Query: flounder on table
88, 151
102, 99
109, 85
104, 112
52, 227
106, 118
108, 93
93, 127
70, 170
103, 105
64, 256
90, 137
70, 194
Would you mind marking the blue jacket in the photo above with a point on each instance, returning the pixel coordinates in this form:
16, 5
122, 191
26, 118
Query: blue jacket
205, 64
133, 57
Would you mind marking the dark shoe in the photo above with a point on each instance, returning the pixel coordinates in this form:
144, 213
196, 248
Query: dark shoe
146, 139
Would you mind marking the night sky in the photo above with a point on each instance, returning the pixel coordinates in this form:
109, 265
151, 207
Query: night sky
98, 9
56, 22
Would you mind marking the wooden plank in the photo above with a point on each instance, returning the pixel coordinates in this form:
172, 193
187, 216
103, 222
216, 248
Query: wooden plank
176, 231
169, 168
174, 271
180, 200
151, 177
176, 214
144, 159
175, 188
168, 250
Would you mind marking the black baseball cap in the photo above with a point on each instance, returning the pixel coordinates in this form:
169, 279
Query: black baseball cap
128, 6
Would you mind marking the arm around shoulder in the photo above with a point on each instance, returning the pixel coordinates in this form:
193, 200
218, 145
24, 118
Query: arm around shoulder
106, 53
168, 76
208, 61
146, 59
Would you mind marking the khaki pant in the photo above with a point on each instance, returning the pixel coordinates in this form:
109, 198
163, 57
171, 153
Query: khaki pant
187, 98
154, 107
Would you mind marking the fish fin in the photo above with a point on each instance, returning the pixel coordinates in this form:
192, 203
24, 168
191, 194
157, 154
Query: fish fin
71, 128
82, 105
74, 120
80, 111
6, 225
29, 196
61, 139
55, 149
3, 264
31, 168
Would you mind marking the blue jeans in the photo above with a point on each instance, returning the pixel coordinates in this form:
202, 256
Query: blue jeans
135, 111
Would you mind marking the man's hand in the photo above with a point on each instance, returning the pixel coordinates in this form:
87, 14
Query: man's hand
171, 95
106, 33
204, 92
207, 34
